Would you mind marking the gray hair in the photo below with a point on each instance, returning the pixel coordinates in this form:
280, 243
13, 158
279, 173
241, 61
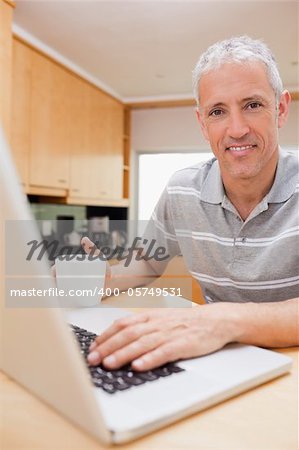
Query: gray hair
237, 49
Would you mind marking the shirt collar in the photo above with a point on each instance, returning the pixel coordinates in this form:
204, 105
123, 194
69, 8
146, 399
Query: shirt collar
285, 183
212, 190
286, 177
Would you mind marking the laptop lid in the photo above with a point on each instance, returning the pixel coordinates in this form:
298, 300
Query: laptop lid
37, 348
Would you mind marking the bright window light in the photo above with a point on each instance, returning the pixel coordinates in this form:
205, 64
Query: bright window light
154, 172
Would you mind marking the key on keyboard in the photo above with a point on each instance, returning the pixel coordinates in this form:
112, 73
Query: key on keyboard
121, 379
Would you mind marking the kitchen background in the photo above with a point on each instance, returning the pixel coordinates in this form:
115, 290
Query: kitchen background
80, 110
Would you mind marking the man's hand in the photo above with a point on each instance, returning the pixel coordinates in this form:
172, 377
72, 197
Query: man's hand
153, 338
90, 247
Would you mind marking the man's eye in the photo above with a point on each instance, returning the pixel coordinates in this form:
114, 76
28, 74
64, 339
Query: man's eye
254, 105
216, 112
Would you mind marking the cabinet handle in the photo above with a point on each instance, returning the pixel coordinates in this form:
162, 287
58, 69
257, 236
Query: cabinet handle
103, 192
75, 190
61, 181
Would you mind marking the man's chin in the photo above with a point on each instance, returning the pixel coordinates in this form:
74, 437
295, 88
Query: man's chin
243, 172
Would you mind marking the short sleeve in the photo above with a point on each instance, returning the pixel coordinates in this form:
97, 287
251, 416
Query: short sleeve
160, 230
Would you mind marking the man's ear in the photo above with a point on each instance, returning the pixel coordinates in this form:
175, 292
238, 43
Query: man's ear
283, 108
202, 125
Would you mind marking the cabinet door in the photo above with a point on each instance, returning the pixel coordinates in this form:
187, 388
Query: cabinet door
80, 161
97, 153
111, 130
49, 158
6, 12
20, 106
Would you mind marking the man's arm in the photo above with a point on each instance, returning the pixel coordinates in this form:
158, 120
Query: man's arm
269, 324
138, 273
152, 338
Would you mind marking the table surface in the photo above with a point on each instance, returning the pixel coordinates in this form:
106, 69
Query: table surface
263, 418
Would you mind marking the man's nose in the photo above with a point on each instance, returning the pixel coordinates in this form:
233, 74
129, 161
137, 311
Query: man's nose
237, 125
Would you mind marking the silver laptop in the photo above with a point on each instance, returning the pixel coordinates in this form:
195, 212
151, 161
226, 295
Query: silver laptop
39, 350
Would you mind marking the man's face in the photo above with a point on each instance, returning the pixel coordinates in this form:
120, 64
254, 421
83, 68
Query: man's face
240, 119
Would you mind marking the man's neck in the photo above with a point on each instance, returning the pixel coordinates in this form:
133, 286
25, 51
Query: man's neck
246, 194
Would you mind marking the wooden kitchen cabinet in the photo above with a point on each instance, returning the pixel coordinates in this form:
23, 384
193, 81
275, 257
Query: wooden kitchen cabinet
114, 147
6, 12
67, 136
21, 109
50, 107
96, 162
80, 161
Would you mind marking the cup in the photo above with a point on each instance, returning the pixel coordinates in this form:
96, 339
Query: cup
81, 278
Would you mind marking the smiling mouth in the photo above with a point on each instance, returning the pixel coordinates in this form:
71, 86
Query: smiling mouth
235, 148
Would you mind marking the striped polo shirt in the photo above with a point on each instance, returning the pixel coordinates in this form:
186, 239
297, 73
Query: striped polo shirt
233, 260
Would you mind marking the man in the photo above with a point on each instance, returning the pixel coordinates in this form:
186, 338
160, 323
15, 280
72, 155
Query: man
234, 220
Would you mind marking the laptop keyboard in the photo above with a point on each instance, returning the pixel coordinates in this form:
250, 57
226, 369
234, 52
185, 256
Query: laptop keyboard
112, 381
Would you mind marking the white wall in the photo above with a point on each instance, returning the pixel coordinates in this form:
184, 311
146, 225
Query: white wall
289, 134
177, 129
162, 129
